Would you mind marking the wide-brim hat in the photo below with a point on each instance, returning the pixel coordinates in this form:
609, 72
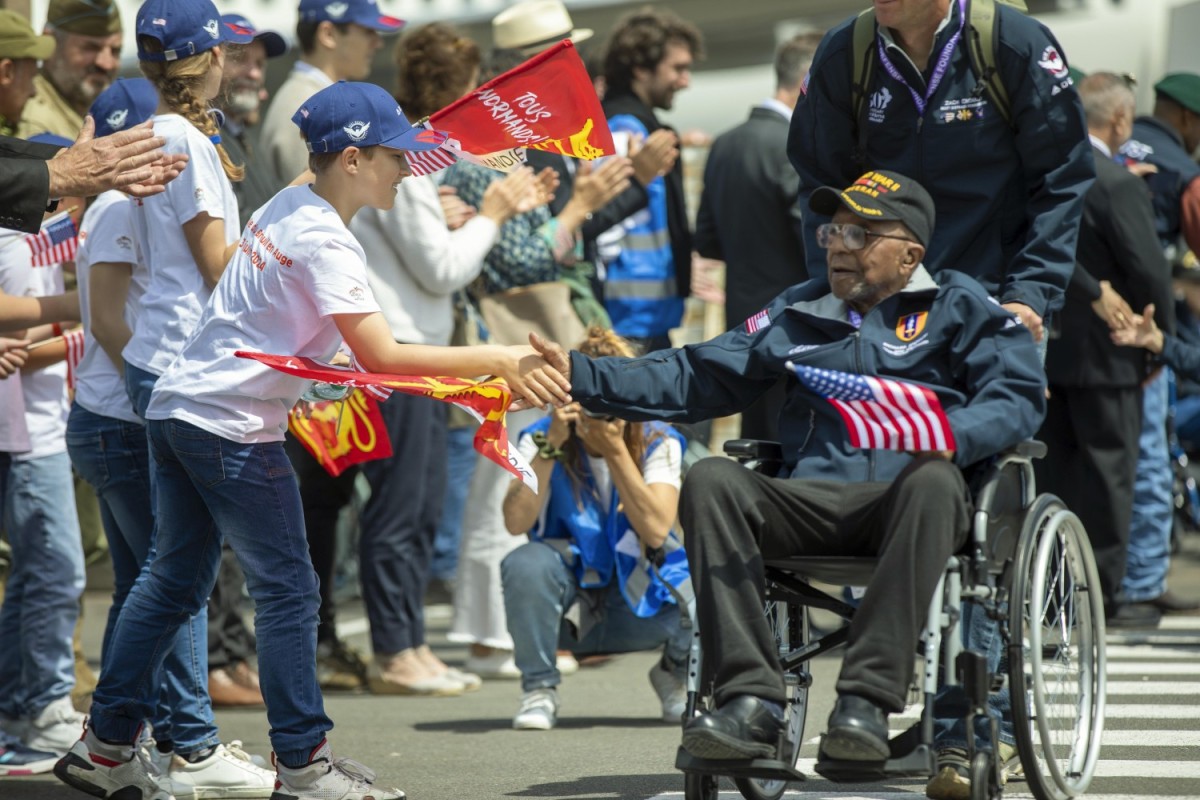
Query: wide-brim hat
533, 25
880, 195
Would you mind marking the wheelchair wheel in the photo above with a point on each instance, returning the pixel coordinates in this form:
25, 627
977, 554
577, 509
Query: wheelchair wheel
697, 786
1056, 652
789, 623
983, 777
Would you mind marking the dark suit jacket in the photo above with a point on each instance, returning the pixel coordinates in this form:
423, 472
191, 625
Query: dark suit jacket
1117, 243
24, 183
748, 214
617, 103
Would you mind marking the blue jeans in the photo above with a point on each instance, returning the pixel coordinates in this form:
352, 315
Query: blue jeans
539, 588
41, 598
209, 487
460, 466
1153, 501
981, 634
112, 455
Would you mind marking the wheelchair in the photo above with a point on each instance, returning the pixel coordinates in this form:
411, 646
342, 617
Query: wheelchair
1028, 565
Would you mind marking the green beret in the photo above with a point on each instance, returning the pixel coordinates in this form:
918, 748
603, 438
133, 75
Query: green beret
1183, 88
85, 17
17, 39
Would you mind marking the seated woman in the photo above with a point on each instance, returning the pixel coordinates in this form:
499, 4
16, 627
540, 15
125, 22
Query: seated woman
587, 581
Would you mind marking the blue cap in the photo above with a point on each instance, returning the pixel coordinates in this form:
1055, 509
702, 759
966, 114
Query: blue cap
360, 12
271, 40
184, 27
51, 138
125, 103
359, 115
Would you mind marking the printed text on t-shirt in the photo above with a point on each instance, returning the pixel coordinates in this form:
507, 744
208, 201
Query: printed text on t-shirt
255, 232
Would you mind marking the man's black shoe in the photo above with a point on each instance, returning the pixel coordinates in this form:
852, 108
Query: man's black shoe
1170, 603
742, 728
1133, 615
857, 731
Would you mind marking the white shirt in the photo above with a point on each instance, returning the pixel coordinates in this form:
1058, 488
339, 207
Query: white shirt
45, 391
415, 263
176, 293
280, 146
14, 275
296, 265
663, 465
106, 236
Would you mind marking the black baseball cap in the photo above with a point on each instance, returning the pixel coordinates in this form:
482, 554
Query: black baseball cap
884, 196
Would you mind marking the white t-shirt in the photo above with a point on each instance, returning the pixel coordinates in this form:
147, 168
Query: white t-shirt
296, 265
14, 435
106, 236
664, 464
44, 391
176, 294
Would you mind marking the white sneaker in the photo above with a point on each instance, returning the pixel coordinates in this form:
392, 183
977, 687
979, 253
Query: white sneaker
497, 664
108, 770
228, 772
329, 778
671, 693
57, 728
538, 712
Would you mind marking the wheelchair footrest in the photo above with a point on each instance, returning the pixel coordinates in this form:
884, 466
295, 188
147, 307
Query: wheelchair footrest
768, 768
919, 763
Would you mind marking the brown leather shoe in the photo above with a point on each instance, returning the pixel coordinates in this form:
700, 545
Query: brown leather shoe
228, 693
245, 675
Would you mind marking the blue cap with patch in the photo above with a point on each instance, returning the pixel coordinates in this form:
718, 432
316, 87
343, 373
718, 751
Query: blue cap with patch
127, 102
360, 12
183, 28
272, 41
351, 114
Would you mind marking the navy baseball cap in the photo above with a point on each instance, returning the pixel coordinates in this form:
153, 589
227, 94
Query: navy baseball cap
352, 114
51, 138
360, 12
184, 28
271, 40
127, 102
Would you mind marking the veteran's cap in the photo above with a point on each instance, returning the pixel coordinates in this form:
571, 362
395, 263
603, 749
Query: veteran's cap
85, 17
884, 196
17, 39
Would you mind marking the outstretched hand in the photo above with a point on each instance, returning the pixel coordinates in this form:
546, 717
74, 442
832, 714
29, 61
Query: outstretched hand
1145, 333
130, 160
546, 367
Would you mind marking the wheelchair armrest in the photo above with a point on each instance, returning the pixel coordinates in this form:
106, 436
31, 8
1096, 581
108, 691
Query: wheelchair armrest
1031, 449
754, 450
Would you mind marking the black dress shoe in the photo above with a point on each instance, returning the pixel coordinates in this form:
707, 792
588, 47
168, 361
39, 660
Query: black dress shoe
857, 731
742, 728
1133, 615
1170, 603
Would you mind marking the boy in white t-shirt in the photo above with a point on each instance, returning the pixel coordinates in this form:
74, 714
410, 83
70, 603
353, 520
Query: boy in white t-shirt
297, 285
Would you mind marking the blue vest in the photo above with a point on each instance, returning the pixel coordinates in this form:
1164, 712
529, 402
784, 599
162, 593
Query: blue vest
600, 545
640, 292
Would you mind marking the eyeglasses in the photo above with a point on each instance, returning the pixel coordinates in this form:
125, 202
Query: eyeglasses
854, 237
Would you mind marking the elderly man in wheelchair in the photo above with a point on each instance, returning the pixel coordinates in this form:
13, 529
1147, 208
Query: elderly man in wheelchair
882, 315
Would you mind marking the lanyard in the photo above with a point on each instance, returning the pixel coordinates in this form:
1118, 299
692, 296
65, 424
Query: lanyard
939, 70
855, 318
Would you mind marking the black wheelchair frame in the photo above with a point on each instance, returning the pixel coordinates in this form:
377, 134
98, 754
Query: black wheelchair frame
1029, 566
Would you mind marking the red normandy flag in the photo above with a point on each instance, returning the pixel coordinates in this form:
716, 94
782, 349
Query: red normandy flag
487, 401
547, 103
339, 436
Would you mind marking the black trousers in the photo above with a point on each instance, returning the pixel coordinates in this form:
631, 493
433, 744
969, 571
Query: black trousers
400, 521
1092, 436
322, 497
734, 518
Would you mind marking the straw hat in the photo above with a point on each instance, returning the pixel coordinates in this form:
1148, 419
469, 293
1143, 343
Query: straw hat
533, 25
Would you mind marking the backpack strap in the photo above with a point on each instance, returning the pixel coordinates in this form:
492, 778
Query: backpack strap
981, 50
863, 65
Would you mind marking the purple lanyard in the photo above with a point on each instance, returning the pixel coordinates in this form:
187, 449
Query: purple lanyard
855, 318
939, 70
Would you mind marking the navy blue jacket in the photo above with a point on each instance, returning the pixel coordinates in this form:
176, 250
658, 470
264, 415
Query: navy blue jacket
1008, 199
982, 364
1156, 142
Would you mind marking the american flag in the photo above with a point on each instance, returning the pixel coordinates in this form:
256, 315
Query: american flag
427, 162
380, 393
881, 413
759, 321
74, 342
55, 243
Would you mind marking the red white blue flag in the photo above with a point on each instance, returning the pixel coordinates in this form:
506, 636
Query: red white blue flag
881, 413
759, 321
55, 243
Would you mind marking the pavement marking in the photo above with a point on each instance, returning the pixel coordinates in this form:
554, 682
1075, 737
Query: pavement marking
1105, 768
1124, 738
1122, 652
1152, 668
1154, 687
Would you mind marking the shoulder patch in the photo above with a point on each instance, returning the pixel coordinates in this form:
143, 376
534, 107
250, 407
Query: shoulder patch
909, 326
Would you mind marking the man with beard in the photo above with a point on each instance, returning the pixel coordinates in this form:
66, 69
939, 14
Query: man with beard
243, 93
84, 63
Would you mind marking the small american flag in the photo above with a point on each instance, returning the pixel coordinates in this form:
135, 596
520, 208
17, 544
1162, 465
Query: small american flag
380, 393
74, 342
881, 413
759, 321
55, 243
427, 162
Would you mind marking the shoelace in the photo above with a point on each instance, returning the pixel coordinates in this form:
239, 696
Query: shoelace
235, 749
538, 702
